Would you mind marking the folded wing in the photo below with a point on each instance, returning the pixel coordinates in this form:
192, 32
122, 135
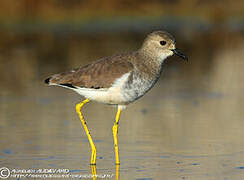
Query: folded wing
100, 74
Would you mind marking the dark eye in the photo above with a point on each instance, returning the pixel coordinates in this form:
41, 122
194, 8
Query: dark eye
162, 43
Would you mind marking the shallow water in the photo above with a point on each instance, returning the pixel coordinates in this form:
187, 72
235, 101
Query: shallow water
189, 126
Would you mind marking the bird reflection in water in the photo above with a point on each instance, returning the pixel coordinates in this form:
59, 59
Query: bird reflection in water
94, 172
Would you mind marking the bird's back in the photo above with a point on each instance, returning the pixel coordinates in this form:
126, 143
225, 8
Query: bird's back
100, 74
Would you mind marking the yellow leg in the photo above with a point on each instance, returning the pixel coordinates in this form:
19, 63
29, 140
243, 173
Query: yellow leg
93, 148
94, 172
115, 132
117, 172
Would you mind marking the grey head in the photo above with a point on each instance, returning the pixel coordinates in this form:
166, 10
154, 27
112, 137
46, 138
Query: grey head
161, 44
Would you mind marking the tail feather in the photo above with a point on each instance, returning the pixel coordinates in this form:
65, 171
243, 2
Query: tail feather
47, 80
67, 85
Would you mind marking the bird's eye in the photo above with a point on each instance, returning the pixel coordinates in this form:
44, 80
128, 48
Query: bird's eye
162, 43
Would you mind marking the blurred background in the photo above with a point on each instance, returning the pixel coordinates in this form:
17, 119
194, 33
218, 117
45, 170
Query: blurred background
189, 126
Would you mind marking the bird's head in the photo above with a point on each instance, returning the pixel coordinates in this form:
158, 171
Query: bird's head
162, 45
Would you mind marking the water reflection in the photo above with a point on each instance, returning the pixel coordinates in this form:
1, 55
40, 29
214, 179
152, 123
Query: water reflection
96, 175
94, 171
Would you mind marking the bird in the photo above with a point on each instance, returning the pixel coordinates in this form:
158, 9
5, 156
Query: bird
119, 79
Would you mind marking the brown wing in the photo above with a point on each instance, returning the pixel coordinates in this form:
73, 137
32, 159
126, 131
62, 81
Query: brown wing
100, 74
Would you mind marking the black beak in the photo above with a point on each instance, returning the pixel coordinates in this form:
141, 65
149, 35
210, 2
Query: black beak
178, 53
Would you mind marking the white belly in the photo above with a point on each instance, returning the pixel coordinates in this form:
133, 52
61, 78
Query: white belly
108, 96
122, 91
112, 95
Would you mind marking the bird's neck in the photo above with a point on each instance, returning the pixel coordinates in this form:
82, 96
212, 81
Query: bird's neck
149, 63
150, 54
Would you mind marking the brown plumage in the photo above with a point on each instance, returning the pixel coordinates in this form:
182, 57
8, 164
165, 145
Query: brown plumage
100, 74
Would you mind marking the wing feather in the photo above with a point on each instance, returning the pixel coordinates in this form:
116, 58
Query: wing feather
100, 74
